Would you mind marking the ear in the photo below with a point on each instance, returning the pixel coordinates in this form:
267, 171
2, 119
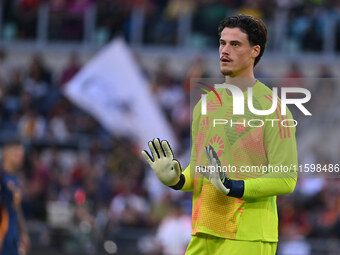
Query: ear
255, 51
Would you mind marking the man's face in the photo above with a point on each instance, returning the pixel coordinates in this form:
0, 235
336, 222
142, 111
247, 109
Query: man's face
14, 155
237, 56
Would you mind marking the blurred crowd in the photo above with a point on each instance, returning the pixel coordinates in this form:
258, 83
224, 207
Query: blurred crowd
305, 23
78, 180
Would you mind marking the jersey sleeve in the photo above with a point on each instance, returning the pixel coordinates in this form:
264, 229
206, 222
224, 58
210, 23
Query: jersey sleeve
188, 172
281, 172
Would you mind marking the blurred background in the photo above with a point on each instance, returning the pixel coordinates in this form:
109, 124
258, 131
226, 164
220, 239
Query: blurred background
86, 189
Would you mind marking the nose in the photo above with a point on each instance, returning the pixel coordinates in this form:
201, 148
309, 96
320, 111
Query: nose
225, 49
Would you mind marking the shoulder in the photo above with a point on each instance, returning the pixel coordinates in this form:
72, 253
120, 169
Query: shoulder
265, 96
10, 178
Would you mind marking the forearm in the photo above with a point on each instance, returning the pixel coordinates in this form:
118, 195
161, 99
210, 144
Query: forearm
265, 187
25, 243
21, 221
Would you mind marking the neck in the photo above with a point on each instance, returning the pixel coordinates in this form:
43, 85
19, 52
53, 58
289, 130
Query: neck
243, 79
242, 83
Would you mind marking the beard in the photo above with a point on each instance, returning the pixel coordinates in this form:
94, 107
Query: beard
226, 72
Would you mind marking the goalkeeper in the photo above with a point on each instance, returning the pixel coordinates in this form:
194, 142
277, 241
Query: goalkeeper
235, 212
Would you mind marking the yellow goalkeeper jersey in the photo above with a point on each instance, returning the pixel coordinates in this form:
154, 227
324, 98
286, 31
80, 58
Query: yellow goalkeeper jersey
251, 148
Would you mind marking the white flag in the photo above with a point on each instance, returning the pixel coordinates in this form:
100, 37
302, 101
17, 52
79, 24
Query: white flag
113, 90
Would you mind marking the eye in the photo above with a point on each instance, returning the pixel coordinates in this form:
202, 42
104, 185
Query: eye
235, 44
222, 43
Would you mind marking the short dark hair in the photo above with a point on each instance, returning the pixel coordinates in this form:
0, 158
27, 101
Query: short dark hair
254, 28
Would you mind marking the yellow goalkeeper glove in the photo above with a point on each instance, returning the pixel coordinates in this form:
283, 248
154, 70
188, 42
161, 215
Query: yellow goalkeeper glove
218, 178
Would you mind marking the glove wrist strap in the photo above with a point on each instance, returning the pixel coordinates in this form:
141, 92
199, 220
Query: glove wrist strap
180, 183
236, 187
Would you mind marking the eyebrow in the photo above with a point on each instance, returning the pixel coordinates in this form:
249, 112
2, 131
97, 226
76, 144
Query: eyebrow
233, 41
